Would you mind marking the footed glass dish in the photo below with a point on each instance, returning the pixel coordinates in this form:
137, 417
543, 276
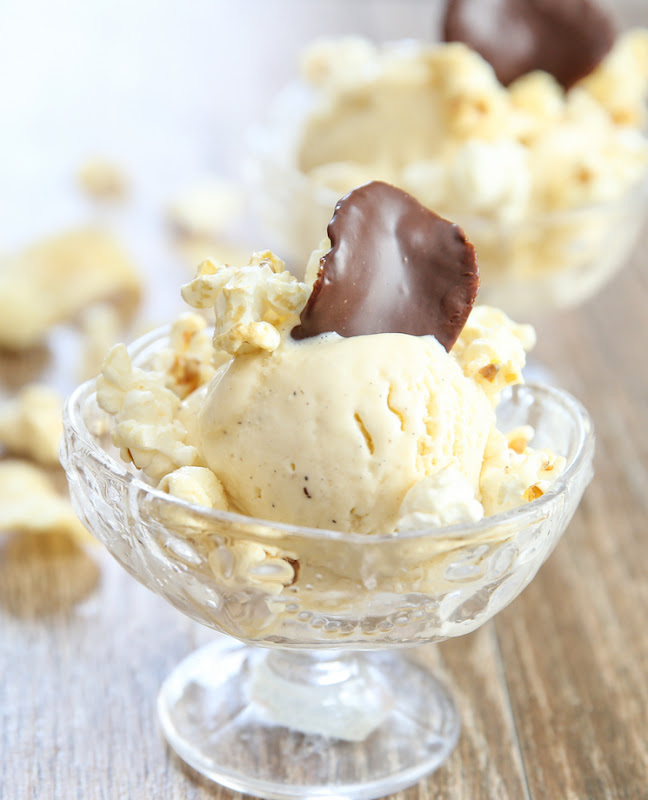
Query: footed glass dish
528, 266
313, 693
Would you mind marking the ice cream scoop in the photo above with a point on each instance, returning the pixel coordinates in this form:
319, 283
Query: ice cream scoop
332, 432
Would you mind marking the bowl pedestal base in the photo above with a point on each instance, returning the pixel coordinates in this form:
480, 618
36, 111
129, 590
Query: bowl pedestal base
307, 723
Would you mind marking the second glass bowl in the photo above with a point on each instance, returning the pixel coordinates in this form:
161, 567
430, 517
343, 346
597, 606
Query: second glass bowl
550, 261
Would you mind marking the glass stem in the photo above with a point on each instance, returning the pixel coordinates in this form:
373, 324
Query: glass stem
314, 668
326, 692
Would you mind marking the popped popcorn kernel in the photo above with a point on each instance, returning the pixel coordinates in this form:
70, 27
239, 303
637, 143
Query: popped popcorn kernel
533, 492
510, 478
238, 563
188, 362
253, 304
197, 485
492, 349
30, 503
620, 82
103, 180
328, 62
31, 423
147, 430
56, 279
473, 100
518, 439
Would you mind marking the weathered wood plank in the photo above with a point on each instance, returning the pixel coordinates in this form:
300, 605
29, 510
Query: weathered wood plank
575, 645
79, 674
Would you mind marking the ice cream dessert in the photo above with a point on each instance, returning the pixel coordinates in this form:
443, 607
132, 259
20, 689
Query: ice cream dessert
308, 458
364, 404
332, 455
542, 172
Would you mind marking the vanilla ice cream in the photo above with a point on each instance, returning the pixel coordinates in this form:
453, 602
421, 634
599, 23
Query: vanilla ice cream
333, 432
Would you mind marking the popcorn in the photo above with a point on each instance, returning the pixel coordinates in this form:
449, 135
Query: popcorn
442, 499
51, 282
474, 102
148, 431
197, 485
328, 63
30, 423
239, 564
492, 349
188, 362
511, 477
585, 160
154, 447
194, 250
490, 179
620, 81
207, 207
252, 303
103, 180
428, 180
235, 563
29, 503
156, 409
540, 101
314, 261
518, 439
101, 326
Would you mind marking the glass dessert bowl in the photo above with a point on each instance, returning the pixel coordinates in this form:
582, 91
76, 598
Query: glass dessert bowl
314, 696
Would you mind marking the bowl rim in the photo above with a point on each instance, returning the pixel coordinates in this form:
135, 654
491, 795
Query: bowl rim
535, 510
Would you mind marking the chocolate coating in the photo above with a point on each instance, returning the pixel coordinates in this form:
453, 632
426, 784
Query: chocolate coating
393, 267
567, 38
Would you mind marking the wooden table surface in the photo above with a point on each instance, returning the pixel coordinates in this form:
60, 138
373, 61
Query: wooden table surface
553, 693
